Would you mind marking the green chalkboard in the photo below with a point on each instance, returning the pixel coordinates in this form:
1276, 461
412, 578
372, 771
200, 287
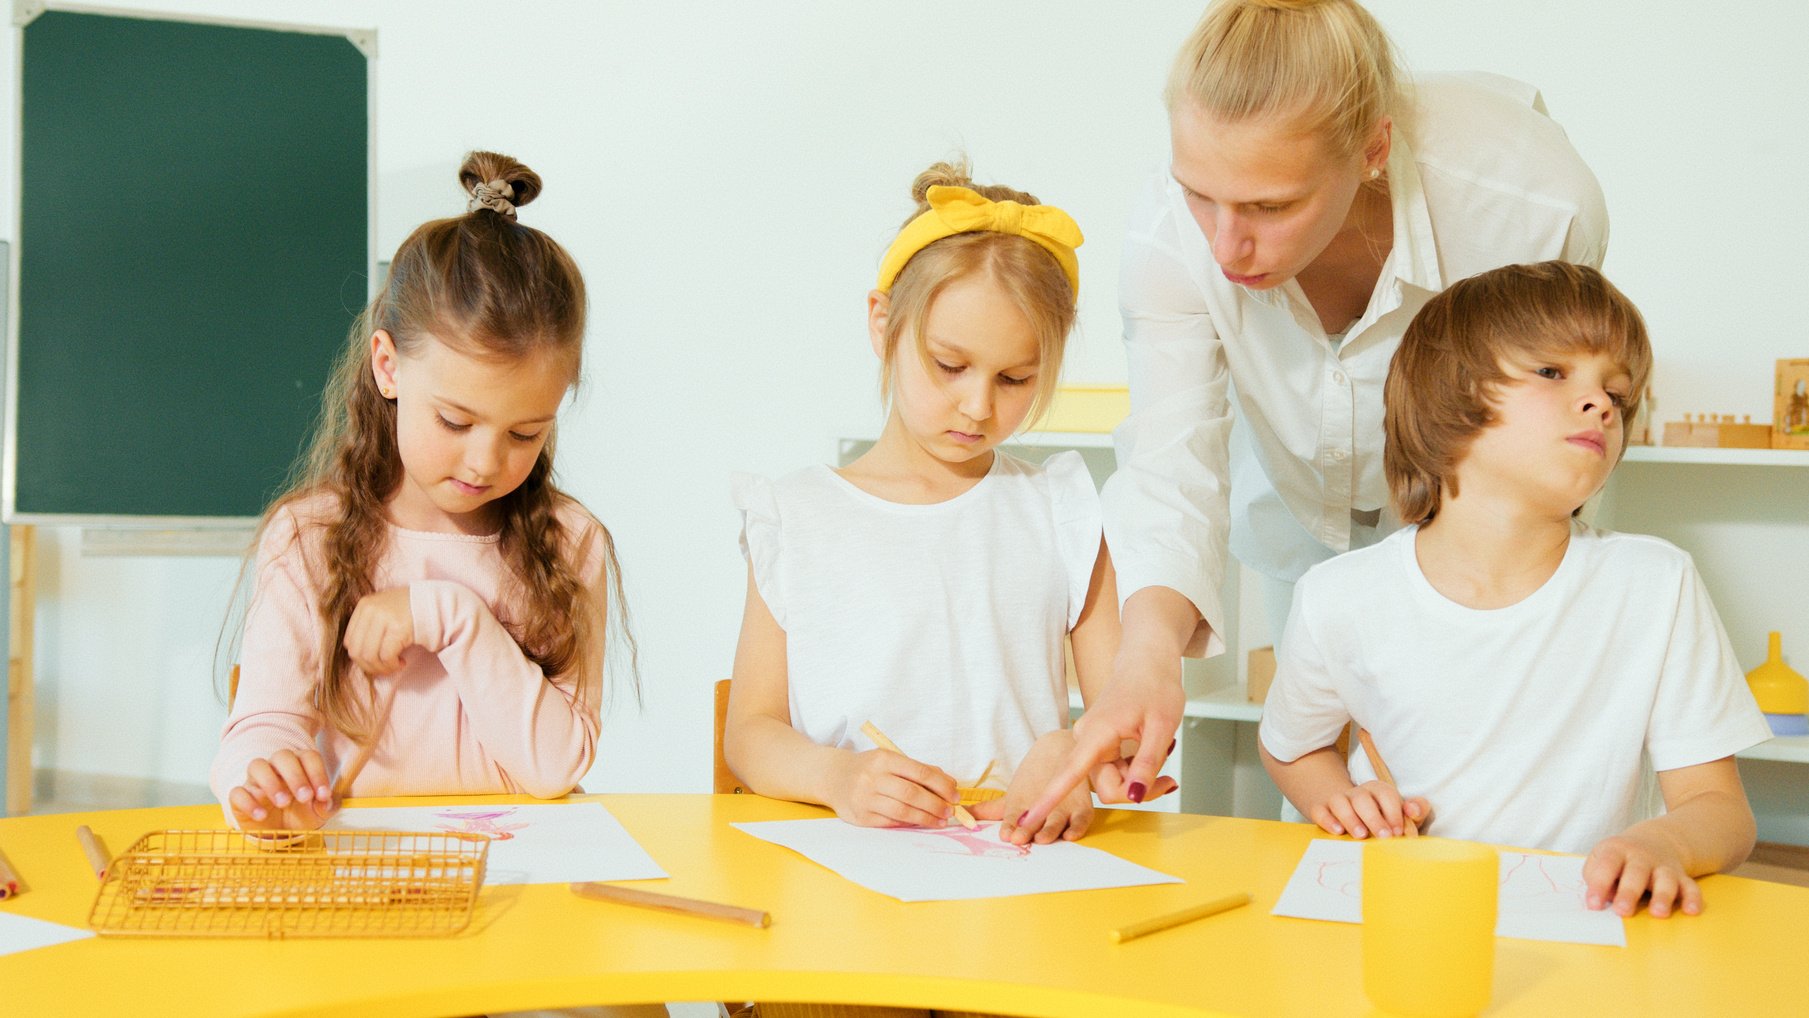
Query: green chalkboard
193, 246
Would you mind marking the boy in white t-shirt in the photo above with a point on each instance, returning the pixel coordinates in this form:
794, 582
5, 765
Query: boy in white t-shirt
1521, 673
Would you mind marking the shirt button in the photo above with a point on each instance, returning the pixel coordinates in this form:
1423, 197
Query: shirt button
1338, 377
1337, 455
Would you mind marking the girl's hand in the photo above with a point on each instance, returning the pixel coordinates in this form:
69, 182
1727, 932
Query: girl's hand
1374, 807
1069, 819
1110, 781
289, 791
1142, 704
381, 628
1621, 869
880, 788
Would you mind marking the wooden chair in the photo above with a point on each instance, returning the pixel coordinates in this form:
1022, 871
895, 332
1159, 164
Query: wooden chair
726, 782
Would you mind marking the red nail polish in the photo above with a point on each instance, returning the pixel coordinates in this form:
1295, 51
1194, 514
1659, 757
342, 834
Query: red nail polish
1135, 792
1021, 818
1171, 745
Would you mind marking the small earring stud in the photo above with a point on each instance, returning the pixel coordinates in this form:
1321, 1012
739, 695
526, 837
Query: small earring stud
1374, 172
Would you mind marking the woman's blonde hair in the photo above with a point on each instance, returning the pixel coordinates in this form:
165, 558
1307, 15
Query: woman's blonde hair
1454, 358
1323, 64
489, 287
1027, 274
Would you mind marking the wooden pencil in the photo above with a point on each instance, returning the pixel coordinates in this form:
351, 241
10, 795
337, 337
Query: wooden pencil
672, 903
91, 847
9, 878
1186, 915
342, 785
1375, 760
879, 739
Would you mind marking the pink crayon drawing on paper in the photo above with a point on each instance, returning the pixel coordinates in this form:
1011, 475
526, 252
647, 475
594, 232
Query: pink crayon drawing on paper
482, 822
961, 841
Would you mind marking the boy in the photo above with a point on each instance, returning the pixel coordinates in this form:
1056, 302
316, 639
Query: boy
1520, 672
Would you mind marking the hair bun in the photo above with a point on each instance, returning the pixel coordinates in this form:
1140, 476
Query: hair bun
483, 169
944, 174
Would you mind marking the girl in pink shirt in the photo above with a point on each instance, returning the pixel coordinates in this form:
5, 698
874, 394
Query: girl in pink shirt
425, 566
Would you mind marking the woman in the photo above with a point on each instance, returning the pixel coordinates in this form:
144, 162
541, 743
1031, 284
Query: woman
1315, 201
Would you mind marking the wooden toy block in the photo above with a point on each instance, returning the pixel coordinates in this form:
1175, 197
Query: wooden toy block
1712, 431
1260, 672
1790, 414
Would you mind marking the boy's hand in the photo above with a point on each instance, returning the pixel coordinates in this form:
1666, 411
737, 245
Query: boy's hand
1069, 819
381, 628
1620, 870
880, 788
289, 791
1374, 807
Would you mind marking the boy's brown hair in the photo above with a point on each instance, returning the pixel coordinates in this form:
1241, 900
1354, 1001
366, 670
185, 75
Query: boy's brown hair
1443, 380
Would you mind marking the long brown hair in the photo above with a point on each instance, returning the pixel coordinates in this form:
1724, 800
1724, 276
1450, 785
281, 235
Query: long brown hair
490, 287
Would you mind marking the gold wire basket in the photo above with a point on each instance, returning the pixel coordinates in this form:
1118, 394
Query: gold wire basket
292, 884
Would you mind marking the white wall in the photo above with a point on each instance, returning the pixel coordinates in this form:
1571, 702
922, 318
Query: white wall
728, 174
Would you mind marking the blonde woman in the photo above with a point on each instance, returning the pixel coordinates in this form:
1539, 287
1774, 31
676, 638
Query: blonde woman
1315, 200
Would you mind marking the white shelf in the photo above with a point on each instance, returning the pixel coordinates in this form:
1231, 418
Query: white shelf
1224, 704
1228, 704
1061, 439
1788, 748
1729, 457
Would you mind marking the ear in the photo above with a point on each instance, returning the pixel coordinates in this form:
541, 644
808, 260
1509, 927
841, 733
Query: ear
384, 362
1375, 154
879, 309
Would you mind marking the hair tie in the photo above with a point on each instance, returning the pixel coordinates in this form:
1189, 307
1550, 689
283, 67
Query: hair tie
956, 210
493, 195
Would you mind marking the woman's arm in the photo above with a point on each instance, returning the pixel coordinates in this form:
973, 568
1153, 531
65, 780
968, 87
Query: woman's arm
876, 788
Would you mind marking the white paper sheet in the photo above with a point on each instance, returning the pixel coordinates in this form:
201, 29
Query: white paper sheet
923, 864
23, 933
1541, 895
550, 844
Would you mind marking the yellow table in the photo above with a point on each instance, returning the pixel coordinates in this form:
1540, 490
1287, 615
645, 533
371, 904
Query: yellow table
540, 946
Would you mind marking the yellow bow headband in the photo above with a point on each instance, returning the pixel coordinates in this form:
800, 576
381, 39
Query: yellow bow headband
962, 210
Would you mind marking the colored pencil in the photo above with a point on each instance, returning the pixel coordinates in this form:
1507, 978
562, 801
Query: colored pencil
342, 785
1375, 760
91, 847
879, 739
1173, 919
673, 903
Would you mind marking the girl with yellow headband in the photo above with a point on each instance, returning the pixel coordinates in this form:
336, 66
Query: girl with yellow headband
928, 586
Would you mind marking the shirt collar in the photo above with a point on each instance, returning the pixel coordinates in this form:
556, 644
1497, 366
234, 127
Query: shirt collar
1414, 254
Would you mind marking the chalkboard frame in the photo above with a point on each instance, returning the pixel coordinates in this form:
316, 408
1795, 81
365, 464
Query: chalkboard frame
24, 13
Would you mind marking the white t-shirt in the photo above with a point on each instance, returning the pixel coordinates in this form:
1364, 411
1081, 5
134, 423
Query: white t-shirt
942, 624
1479, 177
1536, 725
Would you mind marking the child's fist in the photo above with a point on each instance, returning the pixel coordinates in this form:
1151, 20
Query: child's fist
1374, 807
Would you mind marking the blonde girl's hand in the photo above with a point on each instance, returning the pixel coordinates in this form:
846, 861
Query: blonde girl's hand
1068, 820
288, 791
381, 628
1142, 706
1622, 869
1374, 807
880, 788
1110, 781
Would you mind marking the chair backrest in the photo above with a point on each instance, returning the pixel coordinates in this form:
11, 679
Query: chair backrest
232, 687
726, 781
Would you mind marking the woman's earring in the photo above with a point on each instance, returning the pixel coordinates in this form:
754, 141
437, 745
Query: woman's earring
389, 393
1374, 172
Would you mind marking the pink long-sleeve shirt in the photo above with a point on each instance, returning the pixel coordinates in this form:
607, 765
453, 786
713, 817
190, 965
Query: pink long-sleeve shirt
473, 714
